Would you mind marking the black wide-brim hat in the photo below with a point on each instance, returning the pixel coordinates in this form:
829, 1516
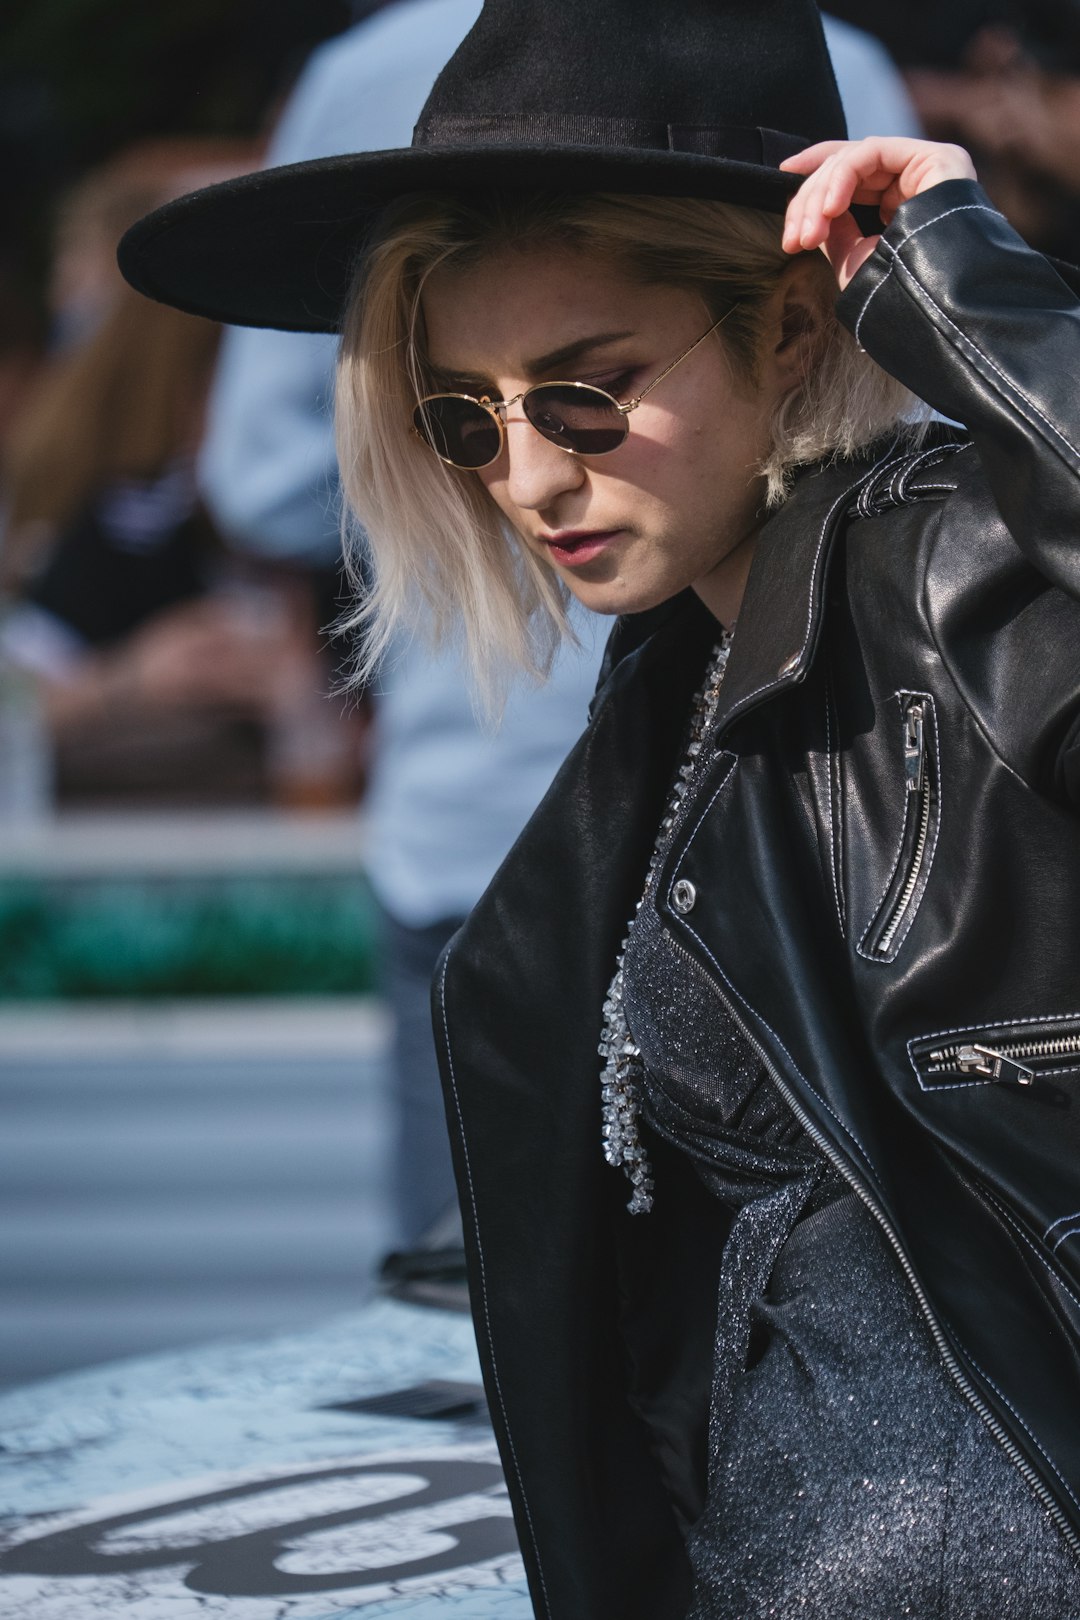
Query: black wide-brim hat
676, 98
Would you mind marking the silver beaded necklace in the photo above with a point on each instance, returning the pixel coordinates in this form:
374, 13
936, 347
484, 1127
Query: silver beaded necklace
623, 1069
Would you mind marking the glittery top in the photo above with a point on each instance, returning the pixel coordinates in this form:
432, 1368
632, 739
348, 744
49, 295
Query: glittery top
703, 1086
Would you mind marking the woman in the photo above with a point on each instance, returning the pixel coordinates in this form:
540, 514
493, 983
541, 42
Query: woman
831, 776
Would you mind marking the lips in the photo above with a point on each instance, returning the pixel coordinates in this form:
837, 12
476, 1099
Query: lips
575, 547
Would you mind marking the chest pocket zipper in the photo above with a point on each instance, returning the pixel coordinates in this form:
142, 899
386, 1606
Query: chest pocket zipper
895, 914
1001, 1056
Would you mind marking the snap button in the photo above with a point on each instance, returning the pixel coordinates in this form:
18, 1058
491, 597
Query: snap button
683, 897
789, 664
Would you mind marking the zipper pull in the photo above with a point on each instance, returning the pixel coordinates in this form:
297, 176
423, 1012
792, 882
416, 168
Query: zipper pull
915, 746
994, 1065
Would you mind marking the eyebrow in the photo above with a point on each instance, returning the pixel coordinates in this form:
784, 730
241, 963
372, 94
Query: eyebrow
542, 362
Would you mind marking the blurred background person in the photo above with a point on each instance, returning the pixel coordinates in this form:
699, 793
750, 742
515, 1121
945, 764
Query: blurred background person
165, 671
1002, 78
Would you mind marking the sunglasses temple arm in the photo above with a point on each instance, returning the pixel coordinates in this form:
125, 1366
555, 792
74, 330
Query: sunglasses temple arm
632, 404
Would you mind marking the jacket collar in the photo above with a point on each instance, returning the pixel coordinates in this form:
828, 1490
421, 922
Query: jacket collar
780, 619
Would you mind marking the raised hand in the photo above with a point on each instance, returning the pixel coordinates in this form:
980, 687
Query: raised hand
882, 170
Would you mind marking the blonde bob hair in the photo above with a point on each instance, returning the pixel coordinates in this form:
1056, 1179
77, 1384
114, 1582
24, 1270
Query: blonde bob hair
434, 553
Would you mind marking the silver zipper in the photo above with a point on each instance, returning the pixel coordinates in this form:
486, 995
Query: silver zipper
917, 780
915, 745
862, 1191
1003, 1060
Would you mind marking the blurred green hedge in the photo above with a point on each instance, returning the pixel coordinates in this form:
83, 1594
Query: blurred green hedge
131, 938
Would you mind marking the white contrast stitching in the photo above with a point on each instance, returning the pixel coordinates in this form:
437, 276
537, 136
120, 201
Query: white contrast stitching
959, 1085
976, 1080
839, 814
1007, 1403
1010, 386
725, 753
870, 299
1004, 1023
876, 474
888, 881
829, 802
1059, 1222
914, 905
893, 251
976, 1029
1069, 1232
1008, 1215
981, 1191
483, 1274
961, 208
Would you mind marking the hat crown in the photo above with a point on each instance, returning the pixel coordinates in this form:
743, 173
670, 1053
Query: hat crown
672, 98
563, 67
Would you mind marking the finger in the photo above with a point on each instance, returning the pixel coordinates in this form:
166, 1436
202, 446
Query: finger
889, 152
851, 175
811, 157
846, 248
921, 163
805, 207
822, 198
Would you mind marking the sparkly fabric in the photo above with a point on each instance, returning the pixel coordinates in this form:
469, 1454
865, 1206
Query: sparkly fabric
848, 1477
852, 1481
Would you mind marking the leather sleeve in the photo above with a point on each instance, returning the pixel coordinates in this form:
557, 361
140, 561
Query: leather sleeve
957, 306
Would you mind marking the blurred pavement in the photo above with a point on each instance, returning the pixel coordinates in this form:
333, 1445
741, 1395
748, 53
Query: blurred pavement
174, 1172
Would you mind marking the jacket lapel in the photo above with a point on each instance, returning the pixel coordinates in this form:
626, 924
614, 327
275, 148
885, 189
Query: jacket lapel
780, 619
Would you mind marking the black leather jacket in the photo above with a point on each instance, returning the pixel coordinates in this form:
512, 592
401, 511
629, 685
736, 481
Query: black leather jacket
884, 889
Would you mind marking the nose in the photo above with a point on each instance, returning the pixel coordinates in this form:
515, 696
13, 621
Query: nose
538, 472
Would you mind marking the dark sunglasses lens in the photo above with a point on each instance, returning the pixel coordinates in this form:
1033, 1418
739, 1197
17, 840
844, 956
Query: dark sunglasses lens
459, 430
576, 417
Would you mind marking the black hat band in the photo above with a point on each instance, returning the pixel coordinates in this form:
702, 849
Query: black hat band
756, 145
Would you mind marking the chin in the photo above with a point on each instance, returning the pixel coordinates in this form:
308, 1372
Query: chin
610, 598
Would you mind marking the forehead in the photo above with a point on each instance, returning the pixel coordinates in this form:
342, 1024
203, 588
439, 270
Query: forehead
517, 302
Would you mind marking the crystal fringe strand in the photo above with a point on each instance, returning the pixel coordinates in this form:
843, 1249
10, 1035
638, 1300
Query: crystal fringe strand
623, 1069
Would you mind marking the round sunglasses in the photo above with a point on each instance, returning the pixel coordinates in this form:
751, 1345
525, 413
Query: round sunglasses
470, 433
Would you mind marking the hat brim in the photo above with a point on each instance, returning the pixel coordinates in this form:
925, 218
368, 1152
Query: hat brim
279, 248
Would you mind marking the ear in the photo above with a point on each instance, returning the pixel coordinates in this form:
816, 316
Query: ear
796, 317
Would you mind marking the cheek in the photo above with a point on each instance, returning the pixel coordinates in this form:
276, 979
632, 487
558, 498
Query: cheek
676, 471
493, 479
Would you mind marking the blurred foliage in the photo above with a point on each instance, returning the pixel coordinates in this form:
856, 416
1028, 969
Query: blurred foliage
140, 938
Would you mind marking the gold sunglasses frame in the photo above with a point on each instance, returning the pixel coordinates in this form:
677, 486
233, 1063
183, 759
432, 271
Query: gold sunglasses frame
497, 408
